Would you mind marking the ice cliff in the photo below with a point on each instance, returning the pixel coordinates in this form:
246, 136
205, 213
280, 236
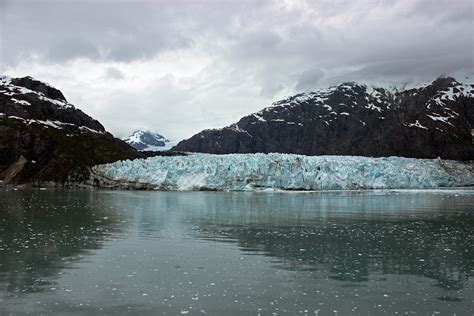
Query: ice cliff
282, 171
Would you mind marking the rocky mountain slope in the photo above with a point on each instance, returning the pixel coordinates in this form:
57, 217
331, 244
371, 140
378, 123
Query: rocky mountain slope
147, 141
353, 119
44, 138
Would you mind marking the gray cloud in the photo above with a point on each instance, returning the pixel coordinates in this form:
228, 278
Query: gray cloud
114, 73
187, 65
309, 79
58, 30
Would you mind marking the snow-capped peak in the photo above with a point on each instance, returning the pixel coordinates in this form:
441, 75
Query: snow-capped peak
146, 140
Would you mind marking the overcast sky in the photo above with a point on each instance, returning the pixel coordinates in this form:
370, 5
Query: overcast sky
178, 67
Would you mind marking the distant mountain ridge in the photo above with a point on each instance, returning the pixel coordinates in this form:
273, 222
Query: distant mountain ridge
353, 119
44, 138
145, 140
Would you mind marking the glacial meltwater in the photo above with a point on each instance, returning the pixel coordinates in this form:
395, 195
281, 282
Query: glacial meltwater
236, 253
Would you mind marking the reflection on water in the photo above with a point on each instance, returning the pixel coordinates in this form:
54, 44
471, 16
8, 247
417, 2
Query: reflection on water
40, 234
196, 253
353, 250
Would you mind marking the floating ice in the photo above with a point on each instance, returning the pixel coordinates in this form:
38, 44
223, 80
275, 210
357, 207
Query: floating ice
284, 171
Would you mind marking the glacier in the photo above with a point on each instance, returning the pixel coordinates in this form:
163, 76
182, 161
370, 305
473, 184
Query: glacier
250, 172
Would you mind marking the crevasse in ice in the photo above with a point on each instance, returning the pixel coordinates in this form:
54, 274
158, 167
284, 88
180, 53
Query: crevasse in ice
288, 172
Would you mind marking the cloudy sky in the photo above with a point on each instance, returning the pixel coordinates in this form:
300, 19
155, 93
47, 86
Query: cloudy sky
178, 67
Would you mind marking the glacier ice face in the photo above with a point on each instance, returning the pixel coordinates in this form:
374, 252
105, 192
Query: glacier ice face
284, 171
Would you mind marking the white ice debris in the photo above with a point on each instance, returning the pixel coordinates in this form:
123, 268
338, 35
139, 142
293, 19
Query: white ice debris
286, 172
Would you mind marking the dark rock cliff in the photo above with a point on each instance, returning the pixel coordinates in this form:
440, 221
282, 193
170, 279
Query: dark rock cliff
352, 119
44, 139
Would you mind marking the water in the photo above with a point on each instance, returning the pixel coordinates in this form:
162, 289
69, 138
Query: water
216, 253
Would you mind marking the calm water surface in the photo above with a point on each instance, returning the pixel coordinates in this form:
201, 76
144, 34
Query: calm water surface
207, 253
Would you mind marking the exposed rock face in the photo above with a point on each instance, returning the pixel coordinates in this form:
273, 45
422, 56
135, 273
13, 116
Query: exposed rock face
43, 138
31, 99
352, 119
38, 86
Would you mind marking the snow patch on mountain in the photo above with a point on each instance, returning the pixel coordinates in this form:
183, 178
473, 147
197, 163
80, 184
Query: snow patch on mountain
16, 92
49, 123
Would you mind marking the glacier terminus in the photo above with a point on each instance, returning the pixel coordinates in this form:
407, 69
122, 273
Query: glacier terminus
249, 172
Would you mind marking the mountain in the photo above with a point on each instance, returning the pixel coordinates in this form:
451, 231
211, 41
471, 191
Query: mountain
44, 138
147, 141
436, 120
